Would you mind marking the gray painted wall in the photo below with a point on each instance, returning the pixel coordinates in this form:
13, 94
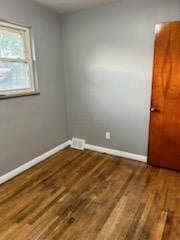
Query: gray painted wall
30, 126
108, 55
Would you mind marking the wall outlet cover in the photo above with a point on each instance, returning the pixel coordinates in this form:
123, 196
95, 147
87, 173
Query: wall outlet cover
108, 135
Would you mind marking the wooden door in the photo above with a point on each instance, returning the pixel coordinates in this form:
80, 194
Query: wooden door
164, 136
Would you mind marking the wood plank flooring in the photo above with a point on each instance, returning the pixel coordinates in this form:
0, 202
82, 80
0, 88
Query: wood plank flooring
86, 195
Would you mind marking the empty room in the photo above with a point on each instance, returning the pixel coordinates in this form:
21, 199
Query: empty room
90, 120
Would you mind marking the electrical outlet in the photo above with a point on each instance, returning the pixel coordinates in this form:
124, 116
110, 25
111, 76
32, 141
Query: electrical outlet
108, 135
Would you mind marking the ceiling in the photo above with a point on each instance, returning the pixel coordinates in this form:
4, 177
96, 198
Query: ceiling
63, 6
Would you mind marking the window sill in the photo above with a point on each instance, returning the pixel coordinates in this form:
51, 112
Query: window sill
3, 97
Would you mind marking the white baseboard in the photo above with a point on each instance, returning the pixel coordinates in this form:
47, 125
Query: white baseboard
118, 153
53, 151
33, 162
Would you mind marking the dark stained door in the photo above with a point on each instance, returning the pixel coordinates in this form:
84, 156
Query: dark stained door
164, 136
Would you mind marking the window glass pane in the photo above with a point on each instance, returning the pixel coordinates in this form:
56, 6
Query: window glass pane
13, 76
11, 44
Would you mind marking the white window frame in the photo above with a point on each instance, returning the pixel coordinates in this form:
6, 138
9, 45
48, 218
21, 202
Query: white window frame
29, 59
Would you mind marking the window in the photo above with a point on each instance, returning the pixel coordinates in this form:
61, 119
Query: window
16, 62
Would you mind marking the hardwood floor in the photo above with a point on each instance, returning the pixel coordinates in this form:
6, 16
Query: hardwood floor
91, 196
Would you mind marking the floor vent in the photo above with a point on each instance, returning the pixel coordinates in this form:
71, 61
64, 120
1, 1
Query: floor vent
78, 143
